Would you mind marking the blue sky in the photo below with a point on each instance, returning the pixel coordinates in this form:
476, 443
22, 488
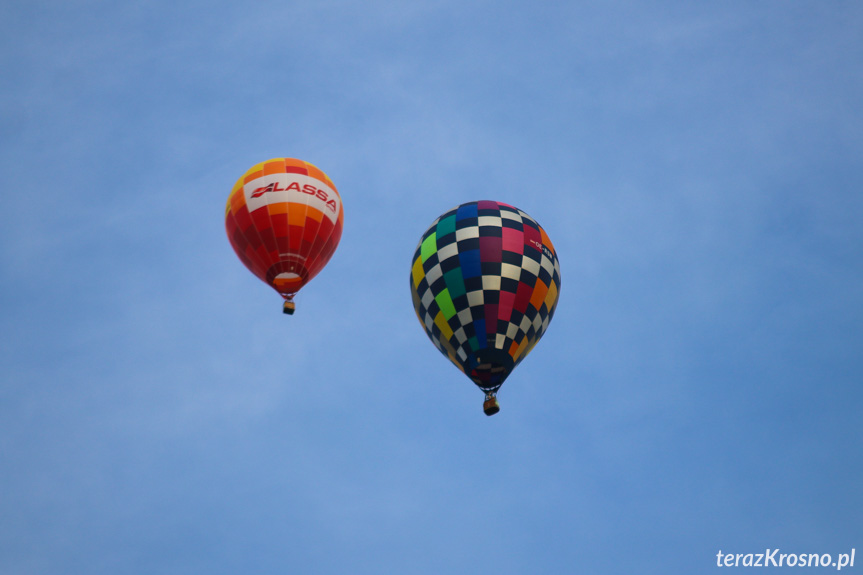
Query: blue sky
698, 167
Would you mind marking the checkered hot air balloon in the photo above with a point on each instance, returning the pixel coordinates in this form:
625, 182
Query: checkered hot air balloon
284, 220
485, 282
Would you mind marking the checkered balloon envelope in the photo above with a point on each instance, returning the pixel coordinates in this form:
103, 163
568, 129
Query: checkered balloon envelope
485, 282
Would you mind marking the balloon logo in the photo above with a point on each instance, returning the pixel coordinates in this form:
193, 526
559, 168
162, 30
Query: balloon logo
284, 220
485, 282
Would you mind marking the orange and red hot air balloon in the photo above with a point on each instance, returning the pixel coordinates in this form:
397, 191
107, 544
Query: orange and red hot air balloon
284, 220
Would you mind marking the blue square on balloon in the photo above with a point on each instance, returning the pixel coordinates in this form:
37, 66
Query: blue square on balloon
466, 211
470, 263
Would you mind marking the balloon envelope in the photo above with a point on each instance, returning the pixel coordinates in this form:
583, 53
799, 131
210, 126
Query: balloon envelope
485, 282
284, 220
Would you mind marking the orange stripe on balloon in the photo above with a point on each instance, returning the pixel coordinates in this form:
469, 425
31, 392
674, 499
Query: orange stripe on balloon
539, 292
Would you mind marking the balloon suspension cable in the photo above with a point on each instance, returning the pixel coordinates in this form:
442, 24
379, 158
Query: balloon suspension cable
490, 406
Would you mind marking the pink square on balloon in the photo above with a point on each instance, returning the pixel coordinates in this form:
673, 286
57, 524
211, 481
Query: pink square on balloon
513, 240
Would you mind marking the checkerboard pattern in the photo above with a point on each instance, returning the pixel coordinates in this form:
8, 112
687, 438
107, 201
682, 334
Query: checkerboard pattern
485, 282
280, 224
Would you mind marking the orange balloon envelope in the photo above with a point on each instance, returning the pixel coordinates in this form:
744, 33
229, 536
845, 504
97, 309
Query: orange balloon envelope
284, 220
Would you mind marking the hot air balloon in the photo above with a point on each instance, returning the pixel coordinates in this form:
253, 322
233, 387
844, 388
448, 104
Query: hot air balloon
284, 220
485, 282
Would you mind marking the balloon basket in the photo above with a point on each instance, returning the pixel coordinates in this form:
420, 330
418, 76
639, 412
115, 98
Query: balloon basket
289, 308
490, 406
